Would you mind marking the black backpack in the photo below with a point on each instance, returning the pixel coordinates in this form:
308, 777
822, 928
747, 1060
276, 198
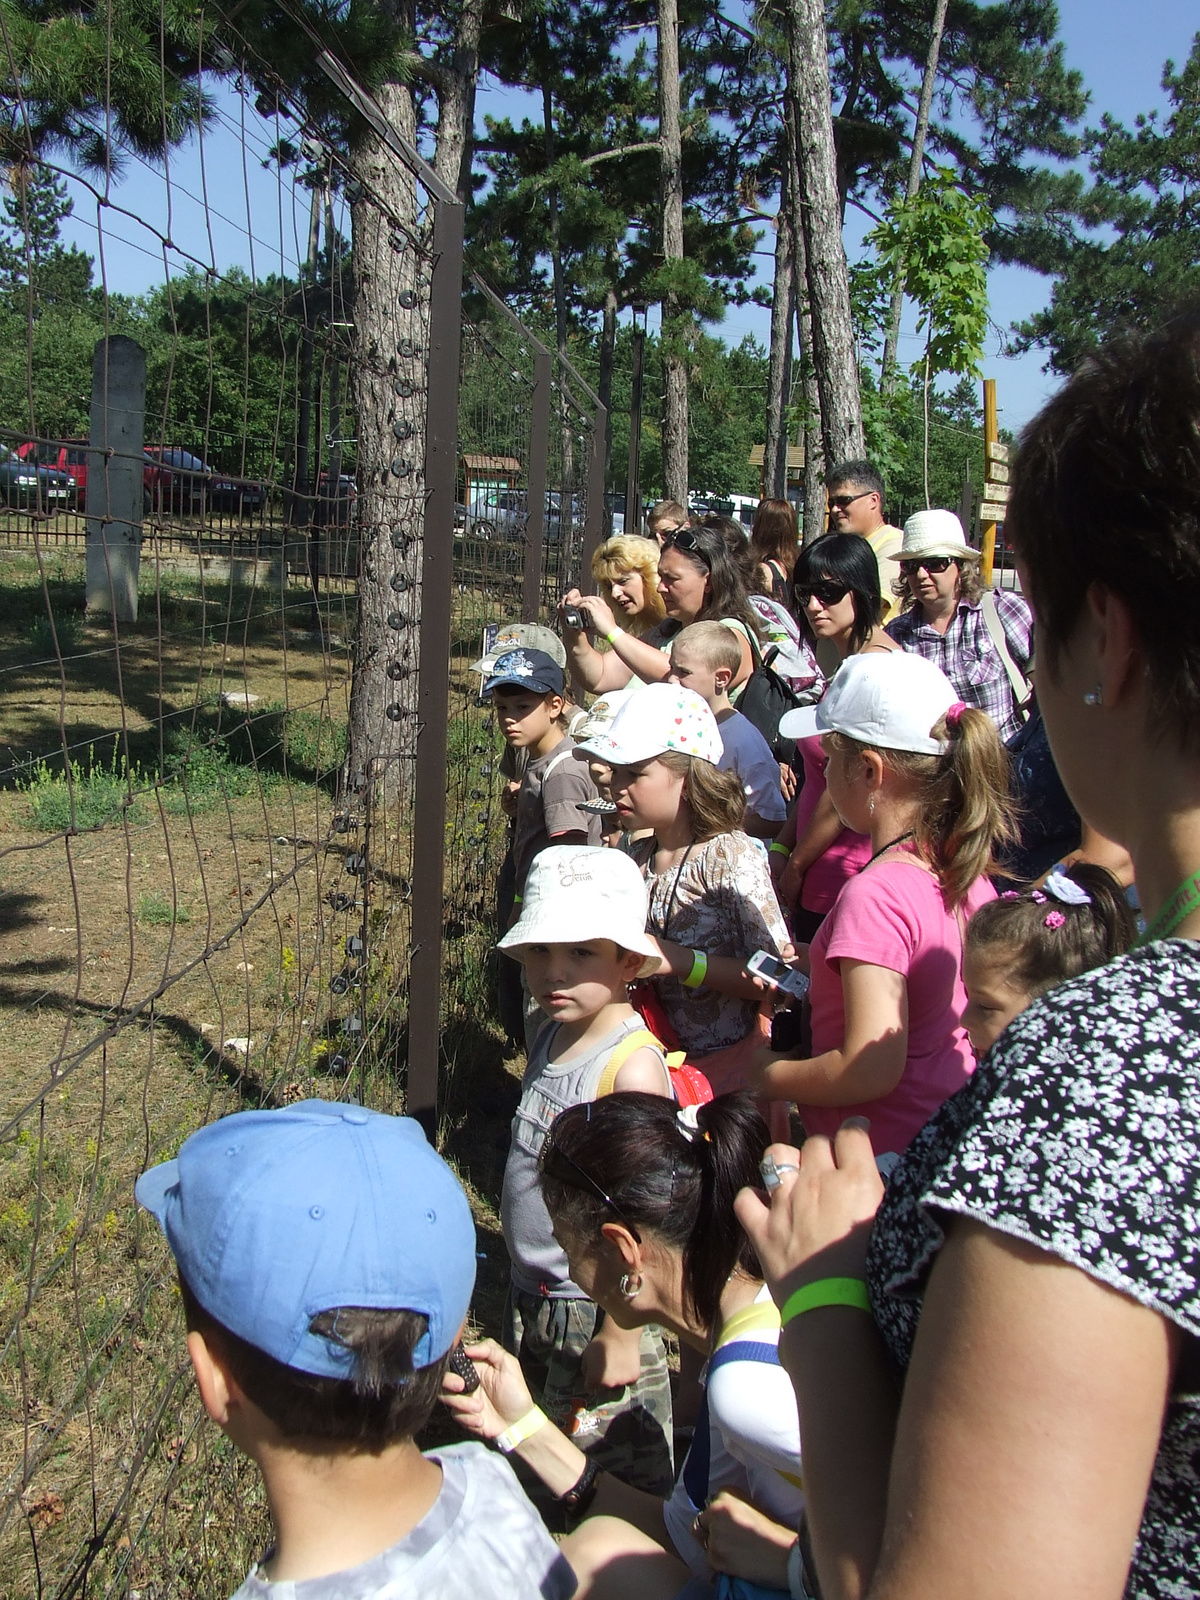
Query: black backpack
766, 698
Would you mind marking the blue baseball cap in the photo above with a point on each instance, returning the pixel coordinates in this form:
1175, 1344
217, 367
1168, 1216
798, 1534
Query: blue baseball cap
534, 670
276, 1216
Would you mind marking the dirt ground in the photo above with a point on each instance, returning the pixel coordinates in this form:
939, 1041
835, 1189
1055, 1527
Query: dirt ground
222, 902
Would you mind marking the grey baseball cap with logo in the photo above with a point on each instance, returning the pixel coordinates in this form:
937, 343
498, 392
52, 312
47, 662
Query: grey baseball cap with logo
521, 636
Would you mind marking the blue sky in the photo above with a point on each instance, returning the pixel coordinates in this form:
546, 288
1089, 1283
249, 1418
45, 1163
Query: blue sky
219, 206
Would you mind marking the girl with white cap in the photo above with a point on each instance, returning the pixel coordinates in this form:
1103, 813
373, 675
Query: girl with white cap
711, 900
950, 620
924, 776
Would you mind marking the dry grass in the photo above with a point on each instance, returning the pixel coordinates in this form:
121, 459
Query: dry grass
173, 964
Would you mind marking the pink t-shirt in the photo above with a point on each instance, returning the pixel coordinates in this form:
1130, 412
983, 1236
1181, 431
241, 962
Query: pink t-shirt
893, 916
848, 852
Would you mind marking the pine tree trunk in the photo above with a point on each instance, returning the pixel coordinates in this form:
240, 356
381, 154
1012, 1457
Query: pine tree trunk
389, 379
920, 129
778, 364
814, 460
676, 322
819, 214
608, 350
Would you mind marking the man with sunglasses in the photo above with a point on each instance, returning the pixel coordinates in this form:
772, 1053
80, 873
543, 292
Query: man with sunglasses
855, 492
982, 641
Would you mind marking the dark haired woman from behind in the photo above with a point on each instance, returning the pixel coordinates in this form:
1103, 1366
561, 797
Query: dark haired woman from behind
835, 588
775, 540
698, 582
1007, 1400
641, 1194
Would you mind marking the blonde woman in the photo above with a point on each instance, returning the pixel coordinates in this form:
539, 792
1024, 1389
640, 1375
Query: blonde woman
625, 569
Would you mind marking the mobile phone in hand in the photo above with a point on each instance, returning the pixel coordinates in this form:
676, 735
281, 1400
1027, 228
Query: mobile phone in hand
461, 1363
778, 974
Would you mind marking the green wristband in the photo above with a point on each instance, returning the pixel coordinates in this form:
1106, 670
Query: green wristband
699, 970
825, 1292
614, 634
778, 849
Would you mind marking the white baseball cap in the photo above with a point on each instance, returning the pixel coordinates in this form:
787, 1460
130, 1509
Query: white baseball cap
935, 533
891, 701
660, 717
578, 892
600, 715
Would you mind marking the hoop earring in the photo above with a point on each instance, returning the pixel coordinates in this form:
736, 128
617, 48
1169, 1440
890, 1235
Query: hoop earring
1094, 697
630, 1285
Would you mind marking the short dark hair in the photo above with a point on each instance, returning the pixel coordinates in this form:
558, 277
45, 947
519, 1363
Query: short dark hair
1106, 490
382, 1402
848, 559
860, 473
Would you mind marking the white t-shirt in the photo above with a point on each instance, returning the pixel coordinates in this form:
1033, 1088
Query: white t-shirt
754, 1434
480, 1540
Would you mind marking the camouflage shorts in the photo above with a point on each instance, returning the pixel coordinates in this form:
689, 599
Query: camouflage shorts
628, 1431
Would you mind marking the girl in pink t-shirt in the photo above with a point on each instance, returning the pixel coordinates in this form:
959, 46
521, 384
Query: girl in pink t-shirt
924, 777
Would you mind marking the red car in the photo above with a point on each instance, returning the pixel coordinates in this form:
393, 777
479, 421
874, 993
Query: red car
67, 455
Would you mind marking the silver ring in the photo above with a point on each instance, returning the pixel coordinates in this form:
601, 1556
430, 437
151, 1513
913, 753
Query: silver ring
772, 1172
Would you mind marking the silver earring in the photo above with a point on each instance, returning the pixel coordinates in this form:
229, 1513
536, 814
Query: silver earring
1094, 697
870, 805
630, 1286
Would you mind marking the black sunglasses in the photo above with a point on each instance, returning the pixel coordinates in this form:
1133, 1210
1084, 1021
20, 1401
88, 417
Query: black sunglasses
684, 539
576, 1178
827, 590
843, 502
932, 564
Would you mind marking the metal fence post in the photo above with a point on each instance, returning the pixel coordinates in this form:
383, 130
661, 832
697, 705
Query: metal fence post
539, 446
593, 524
433, 679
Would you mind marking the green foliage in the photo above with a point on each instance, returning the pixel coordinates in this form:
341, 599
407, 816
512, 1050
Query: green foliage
35, 269
936, 238
155, 910
97, 792
46, 642
895, 431
1129, 259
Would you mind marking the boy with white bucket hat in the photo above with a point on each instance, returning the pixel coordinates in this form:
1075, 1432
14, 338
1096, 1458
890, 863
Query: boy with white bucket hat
581, 938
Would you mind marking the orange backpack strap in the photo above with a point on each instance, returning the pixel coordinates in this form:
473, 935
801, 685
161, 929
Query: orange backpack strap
639, 1039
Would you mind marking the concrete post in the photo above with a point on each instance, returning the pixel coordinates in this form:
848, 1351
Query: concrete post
114, 477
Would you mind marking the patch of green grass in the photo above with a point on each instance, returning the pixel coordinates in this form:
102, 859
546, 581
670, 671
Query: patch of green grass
203, 776
95, 792
41, 636
156, 911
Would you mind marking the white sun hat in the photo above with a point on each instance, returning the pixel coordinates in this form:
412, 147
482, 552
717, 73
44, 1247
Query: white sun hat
660, 717
935, 533
576, 892
891, 701
599, 716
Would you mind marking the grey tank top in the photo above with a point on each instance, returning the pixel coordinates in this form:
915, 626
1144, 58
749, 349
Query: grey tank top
539, 1264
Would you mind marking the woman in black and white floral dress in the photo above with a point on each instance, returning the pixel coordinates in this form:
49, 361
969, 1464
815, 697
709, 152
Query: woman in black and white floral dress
1017, 1416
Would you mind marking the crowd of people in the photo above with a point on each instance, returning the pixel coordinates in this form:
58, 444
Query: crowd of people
892, 1140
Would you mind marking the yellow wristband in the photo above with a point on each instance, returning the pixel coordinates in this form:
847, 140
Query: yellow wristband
614, 634
778, 849
517, 1432
825, 1292
699, 970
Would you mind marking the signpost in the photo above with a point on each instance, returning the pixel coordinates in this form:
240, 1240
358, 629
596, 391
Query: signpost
995, 489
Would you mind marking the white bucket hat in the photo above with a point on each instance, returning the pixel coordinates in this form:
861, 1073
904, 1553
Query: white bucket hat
660, 717
935, 533
599, 716
890, 701
578, 892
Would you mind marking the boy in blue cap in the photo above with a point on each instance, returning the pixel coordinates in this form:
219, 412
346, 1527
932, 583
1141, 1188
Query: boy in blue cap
326, 1258
527, 689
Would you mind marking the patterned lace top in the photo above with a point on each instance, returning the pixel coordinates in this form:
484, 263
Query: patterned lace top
1080, 1134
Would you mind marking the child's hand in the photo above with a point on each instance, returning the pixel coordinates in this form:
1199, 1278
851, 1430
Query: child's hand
508, 797
613, 1359
501, 1399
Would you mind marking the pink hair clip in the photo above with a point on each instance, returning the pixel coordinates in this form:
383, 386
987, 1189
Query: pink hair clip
1054, 919
1011, 894
1038, 898
954, 715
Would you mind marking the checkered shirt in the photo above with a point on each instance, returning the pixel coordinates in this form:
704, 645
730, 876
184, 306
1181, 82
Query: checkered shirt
968, 657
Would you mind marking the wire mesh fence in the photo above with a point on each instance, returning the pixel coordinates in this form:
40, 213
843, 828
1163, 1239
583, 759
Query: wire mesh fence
214, 774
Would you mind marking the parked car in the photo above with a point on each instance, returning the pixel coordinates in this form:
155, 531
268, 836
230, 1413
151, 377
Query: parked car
30, 486
181, 481
336, 507
65, 455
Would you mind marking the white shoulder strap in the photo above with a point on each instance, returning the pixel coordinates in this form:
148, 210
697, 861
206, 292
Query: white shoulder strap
996, 633
563, 755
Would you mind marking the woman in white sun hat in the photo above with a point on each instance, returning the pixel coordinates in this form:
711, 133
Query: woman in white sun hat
925, 776
712, 904
949, 619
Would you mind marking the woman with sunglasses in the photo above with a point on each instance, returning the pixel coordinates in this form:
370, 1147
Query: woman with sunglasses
641, 1196
835, 588
698, 582
943, 619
